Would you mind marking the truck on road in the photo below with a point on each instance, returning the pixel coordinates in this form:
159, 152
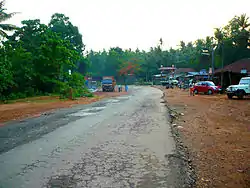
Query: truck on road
108, 84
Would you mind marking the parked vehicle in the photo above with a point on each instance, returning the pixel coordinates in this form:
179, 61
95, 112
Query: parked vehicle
240, 90
108, 84
173, 81
207, 87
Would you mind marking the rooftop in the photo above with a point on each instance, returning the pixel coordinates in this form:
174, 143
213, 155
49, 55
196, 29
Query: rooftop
236, 67
184, 70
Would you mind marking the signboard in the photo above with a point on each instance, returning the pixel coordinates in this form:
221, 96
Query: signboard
203, 72
243, 71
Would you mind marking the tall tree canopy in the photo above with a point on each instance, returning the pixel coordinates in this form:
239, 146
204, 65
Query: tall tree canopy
231, 42
61, 24
36, 59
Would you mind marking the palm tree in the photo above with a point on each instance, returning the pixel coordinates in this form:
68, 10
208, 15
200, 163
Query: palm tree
3, 17
243, 22
219, 35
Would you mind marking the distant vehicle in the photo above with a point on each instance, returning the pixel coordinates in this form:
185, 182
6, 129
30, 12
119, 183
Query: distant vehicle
108, 84
93, 85
169, 82
240, 90
173, 81
207, 87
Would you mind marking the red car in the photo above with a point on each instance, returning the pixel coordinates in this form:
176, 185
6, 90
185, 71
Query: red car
206, 87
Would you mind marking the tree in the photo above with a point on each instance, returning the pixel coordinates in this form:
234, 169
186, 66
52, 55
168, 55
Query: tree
182, 45
61, 24
4, 17
233, 40
35, 60
243, 21
127, 69
54, 56
6, 74
219, 35
30, 35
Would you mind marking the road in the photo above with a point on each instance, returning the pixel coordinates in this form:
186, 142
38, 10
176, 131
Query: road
118, 142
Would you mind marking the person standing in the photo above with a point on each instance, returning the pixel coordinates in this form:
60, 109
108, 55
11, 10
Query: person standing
126, 88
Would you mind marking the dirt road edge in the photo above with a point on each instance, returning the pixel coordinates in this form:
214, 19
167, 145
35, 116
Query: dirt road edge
180, 160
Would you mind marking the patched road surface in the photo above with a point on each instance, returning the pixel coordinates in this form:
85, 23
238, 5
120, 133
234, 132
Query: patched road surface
118, 142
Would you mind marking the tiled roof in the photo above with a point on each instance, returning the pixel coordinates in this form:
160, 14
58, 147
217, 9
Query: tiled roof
237, 66
184, 70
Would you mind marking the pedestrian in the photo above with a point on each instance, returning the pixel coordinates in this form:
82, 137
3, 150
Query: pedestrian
191, 89
126, 88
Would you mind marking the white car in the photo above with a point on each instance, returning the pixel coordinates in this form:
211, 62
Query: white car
240, 90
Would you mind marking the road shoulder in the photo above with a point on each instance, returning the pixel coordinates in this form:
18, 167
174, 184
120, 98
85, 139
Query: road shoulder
180, 161
36, 106
215, 132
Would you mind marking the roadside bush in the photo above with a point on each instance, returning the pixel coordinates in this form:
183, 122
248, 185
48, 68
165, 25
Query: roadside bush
73, 86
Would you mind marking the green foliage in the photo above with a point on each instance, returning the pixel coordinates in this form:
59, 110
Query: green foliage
76, 82
72, 85
35, 61
6, 74
61, 24
231, 42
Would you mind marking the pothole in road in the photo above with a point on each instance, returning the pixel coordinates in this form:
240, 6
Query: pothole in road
94, 109
88, 112
62, 181
113, 101
123, 98
82, 114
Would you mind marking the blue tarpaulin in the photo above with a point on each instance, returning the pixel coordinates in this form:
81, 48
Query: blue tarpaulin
107, 81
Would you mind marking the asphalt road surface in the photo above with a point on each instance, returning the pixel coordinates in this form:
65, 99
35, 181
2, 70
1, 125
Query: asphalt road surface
118, 142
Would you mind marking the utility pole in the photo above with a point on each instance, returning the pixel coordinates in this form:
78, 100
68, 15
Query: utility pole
212, 63
222, 64
206, 52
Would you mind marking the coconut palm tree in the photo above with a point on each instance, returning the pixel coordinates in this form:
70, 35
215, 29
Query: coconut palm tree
219, 35
243, 22
3, 17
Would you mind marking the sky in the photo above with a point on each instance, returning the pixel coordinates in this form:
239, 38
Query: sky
134, 23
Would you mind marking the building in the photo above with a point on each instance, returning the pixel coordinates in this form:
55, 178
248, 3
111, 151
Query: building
182, 72
189, 73
231, 74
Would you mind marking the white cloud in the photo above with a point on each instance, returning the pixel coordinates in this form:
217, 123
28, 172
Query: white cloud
134, 23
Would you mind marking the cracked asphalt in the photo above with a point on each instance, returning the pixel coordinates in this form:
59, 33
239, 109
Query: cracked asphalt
118, 142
